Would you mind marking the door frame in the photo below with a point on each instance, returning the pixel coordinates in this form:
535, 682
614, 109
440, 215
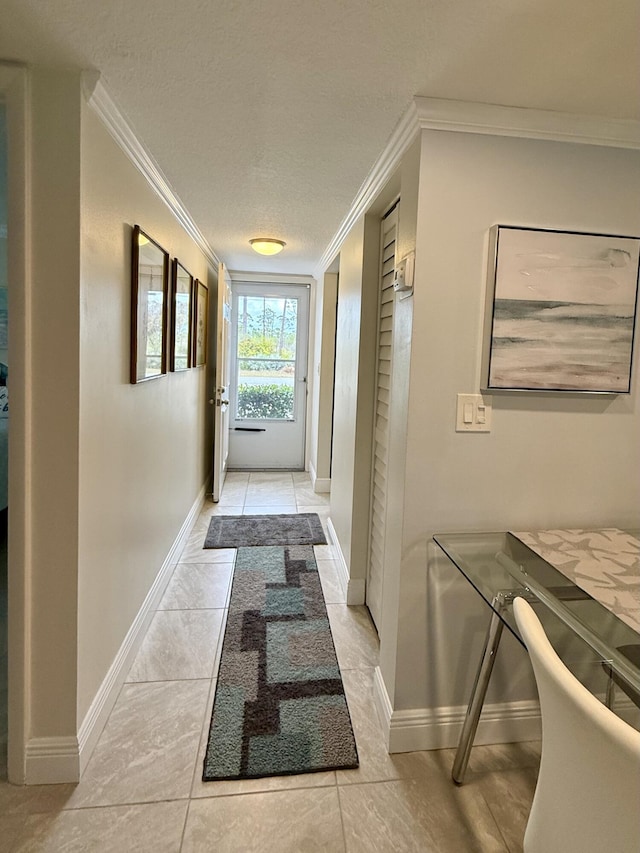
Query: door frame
14, 91
221, 391
303, 356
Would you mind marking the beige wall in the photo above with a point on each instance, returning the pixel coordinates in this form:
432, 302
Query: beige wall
398, 407
321, 410
111, 470
353, 400
555, 460
142, 447
54, 356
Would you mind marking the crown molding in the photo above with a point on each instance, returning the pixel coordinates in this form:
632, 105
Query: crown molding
269, 278
405, 132
488, 119
102, 104
496, 120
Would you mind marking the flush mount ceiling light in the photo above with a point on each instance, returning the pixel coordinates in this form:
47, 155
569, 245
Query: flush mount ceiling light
267, 245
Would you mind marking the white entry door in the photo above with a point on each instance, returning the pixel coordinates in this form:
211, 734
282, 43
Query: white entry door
221, 399
270, 326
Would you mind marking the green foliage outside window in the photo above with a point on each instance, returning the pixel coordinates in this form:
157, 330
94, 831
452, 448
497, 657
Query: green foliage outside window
265, 401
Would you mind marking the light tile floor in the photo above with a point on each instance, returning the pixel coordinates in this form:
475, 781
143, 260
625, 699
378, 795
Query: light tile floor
142, 789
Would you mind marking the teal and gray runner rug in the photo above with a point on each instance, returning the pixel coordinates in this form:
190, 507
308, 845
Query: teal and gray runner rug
279, 707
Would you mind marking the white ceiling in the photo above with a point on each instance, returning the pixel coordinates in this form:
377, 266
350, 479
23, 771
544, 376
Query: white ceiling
267, 115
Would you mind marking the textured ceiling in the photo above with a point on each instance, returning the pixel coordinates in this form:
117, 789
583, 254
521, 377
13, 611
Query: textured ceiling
267, 115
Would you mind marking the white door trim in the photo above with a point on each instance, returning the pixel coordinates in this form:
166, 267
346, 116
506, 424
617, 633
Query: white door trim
272, 444
14, 90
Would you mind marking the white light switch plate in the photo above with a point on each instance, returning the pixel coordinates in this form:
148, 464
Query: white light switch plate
473, 413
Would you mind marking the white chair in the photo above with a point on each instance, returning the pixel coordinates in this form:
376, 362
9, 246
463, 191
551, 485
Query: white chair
587, 799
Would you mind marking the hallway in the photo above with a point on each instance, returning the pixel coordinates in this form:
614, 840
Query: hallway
142, 790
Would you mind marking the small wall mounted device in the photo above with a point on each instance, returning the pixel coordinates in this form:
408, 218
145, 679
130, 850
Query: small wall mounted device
403, 278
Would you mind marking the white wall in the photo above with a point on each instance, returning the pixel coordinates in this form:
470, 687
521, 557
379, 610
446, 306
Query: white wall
321, 410
353, 400
142, 447
52, 371
110, 470
398, 407
555, 460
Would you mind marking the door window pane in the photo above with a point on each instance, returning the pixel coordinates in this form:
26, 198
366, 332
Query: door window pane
266, 357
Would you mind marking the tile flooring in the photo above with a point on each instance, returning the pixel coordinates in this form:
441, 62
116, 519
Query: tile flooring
142, 790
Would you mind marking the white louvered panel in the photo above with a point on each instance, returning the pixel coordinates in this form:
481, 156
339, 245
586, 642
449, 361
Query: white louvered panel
380, 435
378, 525
381, 417
387, 309
389, 244
382, 410
376, 552
381, 440
382, 404
380, 459
379, 497
377, 517
388, 293
388, 267
377, 546
381, 467
384, 378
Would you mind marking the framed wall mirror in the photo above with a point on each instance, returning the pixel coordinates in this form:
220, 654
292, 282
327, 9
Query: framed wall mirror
149, 301
201, 312
180, 351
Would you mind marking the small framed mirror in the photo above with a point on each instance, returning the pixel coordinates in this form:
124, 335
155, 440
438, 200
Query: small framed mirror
201, 312
149, 300
180, 351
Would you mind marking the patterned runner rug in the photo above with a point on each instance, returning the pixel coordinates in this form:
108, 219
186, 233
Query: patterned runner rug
279, 706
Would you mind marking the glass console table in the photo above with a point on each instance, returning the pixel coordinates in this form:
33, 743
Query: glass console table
500, 567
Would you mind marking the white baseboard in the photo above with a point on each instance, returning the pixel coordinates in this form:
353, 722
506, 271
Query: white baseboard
320, 485
49, 760
439, 728
353, 589
382, 704
105, 698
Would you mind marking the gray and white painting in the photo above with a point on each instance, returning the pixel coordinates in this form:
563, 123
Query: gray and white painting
563, 311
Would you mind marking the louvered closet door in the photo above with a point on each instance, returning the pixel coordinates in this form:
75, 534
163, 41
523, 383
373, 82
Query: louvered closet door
381, 418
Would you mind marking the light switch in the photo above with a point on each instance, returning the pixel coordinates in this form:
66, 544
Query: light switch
473, 413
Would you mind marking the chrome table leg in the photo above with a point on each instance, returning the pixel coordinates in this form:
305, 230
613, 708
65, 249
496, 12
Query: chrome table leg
478, 693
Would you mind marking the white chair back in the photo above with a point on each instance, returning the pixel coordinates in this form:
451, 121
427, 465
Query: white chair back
587, 798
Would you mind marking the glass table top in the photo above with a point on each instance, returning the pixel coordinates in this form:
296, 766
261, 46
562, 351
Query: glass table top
498, 563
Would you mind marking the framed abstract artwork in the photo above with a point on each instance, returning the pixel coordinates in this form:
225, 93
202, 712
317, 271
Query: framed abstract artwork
561, 311
180, 349
200, 321
149, 302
